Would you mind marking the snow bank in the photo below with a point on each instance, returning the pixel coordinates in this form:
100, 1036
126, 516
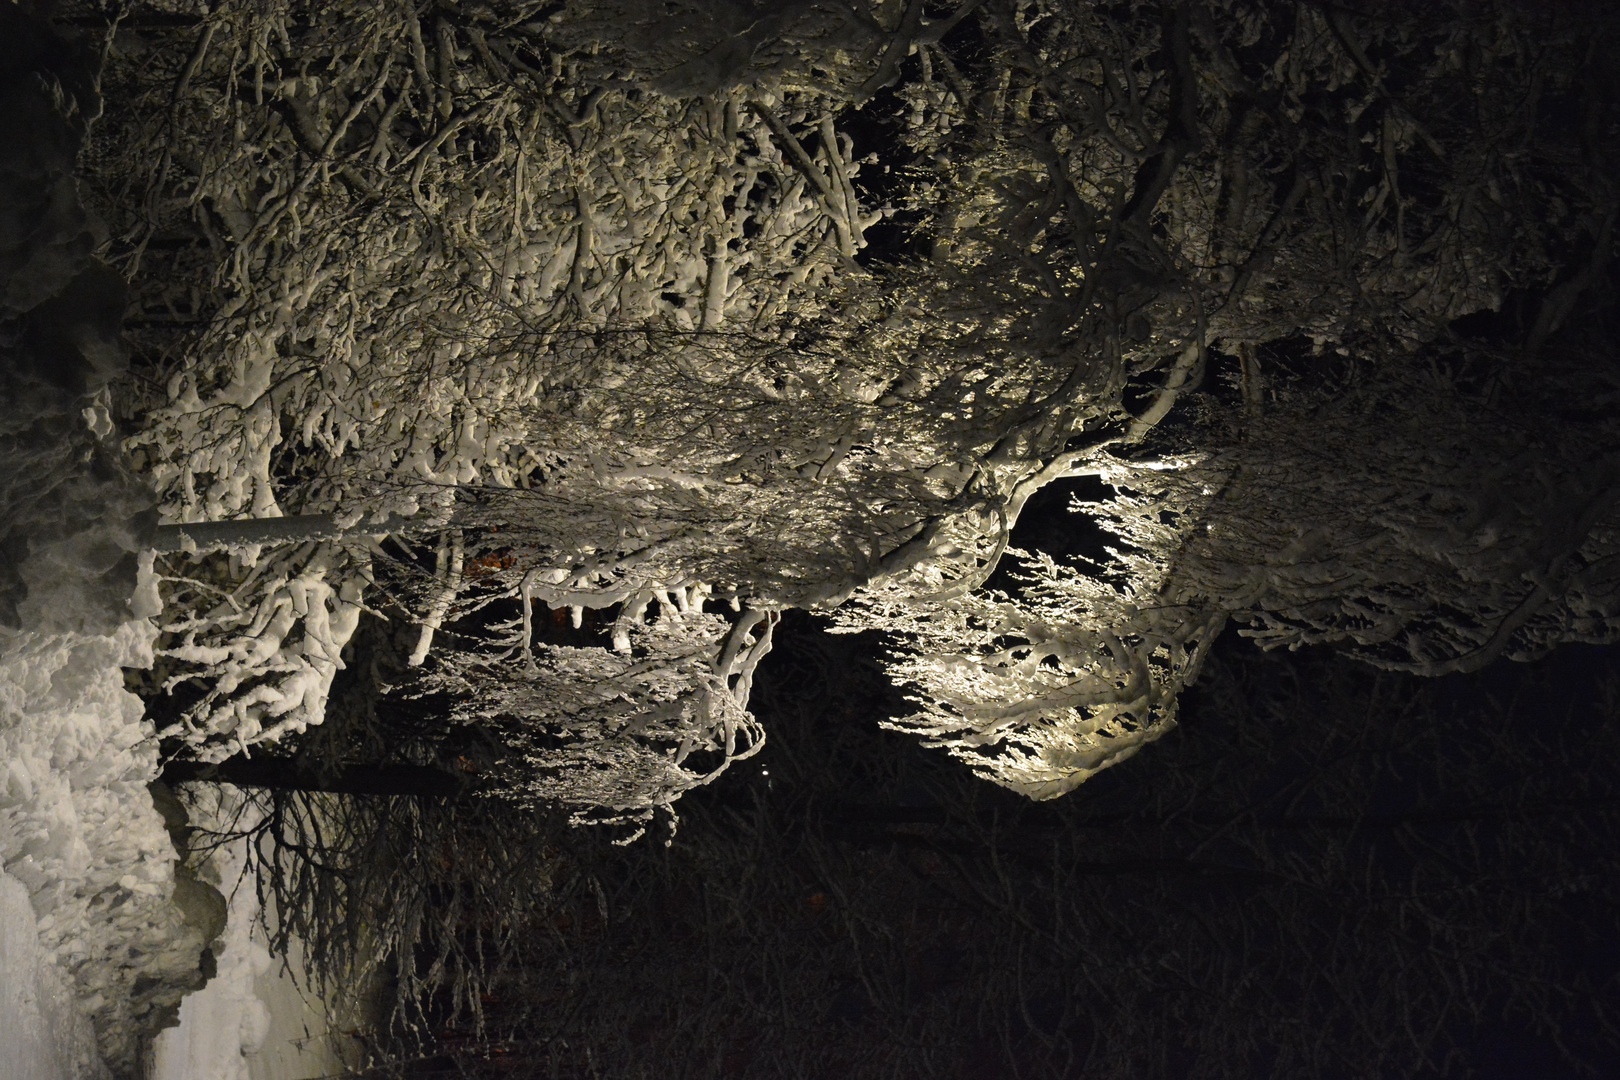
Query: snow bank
79, 832
43, 1035
98, 930
252, 1021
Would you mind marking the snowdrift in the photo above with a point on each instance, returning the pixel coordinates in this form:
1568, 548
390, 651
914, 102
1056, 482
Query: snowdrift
89, 866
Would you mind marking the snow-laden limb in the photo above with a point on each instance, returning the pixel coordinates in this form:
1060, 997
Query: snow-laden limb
267, 680
618, 735
1040, 690
390, 313
591, 291
447, 578
1081, 664
396, 314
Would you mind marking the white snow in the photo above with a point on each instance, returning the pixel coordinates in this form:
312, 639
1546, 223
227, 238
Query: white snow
85, 906
80, 837
43, 1035
90, 942
252, 1021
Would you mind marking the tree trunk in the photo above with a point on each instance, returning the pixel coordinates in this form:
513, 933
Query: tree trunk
203, 535
281, 773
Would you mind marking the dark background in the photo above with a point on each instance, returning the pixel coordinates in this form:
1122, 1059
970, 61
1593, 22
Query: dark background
1326, 870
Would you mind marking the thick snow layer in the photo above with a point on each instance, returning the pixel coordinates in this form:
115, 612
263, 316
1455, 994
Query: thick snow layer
96, 932
252, 1021
78, 831
43, 1035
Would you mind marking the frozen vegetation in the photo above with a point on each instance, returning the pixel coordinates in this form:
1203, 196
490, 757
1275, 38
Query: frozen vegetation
594, 300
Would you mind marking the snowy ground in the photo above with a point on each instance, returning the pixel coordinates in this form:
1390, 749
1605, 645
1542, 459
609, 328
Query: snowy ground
252, 1021
43, 1035
84, 847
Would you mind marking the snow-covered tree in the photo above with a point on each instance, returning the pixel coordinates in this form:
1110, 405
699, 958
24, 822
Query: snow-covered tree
616, 735
1159, 190
416, 242
589, 290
